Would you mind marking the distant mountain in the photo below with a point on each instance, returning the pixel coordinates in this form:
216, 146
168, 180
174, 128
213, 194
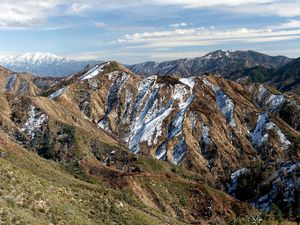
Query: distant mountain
285, 78
229, 64
44, 64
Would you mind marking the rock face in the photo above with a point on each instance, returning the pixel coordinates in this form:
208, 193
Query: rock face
230, 64
203, 123
207, 125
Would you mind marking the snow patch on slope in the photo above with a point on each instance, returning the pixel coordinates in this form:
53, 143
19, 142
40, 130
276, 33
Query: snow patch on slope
153, 126
284, 142
177, 123
224, 103
205, 138
274, 101
260, 134
57, 93
10, 81
143, 90
35, 120
282, 181
113, 97
103, 124
189, 82
179, 152
128, 99
234, 178
161, 152
94, 71
262, 92
152, 112
147, 126
226, 106
180, 92
193, 119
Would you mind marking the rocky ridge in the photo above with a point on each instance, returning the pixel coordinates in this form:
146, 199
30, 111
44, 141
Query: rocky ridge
206, 126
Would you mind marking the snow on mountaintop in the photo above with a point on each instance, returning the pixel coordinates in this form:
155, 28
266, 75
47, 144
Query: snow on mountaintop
44, 64
36, 57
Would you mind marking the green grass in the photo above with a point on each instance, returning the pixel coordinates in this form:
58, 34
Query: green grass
38, 191
273, 90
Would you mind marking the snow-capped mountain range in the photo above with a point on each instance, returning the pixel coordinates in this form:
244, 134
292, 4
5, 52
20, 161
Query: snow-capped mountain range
229, 64
44, 64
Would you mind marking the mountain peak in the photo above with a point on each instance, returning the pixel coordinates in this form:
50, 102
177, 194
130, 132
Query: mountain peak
40, 56
33, 57
223, 62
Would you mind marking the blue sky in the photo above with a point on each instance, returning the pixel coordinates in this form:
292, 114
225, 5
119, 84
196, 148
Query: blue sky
133, 31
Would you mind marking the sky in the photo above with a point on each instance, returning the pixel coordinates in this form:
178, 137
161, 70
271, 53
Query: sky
133, 31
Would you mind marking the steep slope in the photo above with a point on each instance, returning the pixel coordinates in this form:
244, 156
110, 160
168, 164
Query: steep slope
44, 64
287, 78
257, 74
206, 124
204, 130
20, 84
95, 179
36, 191
229, 64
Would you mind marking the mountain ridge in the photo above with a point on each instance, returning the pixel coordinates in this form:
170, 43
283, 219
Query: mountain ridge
44, 64
176, 143
178, 120
226, 63
93, 169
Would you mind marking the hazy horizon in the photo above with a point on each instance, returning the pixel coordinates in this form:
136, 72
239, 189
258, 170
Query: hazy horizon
105, 60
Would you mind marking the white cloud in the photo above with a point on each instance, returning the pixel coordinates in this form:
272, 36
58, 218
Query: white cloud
87, 56
21, 13
77, 8
31, 13
203, 37
211, 3
278, 8
100, 24
291, 24
162, 56
176, 25
256, 7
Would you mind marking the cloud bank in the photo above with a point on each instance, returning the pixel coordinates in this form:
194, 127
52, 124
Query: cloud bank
32, 13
